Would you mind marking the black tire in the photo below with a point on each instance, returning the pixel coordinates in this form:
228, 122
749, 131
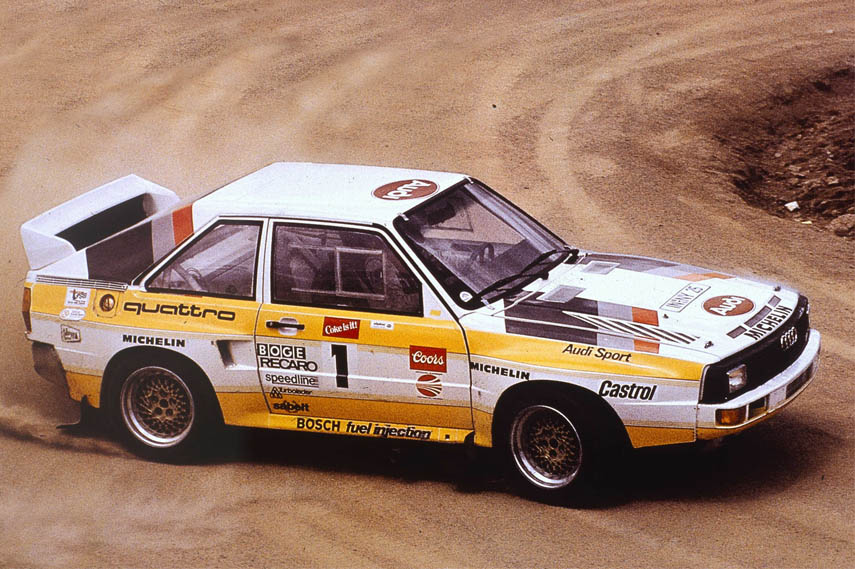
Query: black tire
163, 409
552, 449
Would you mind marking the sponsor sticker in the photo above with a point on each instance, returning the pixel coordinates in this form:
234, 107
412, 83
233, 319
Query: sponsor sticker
730, 305
341, 327
285, 357
429, 385
69, 334
153, 341
599, 353
182, 309
405, 190
277, 392
382, 325
77, 297
627, 390
72, 314
291, 379
363, 428
424, 358
291, 407
499, 370
770, 322
684, 297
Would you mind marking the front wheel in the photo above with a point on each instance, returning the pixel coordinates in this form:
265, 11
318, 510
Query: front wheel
162, 410
551, 450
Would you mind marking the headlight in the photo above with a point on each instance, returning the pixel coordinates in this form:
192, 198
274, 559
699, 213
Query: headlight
737, 378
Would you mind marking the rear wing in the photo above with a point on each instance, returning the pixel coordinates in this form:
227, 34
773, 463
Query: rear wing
92, 217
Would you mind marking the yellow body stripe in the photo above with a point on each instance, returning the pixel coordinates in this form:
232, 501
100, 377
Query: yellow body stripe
653, 436
550, 353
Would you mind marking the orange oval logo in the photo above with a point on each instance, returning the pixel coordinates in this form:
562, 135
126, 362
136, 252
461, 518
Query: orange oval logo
730, 305
405, 190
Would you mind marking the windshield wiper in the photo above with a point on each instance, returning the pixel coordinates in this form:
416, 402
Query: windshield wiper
527, 272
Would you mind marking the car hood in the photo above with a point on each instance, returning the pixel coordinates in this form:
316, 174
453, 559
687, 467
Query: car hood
644, 304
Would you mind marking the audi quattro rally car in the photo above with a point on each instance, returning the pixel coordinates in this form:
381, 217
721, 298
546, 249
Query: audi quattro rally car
400, 304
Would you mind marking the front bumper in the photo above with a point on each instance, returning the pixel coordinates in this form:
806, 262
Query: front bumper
762, 402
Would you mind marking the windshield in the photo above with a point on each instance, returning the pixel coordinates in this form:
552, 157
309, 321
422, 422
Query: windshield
478, 245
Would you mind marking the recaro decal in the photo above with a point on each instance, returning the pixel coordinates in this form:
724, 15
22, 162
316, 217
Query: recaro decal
405, 190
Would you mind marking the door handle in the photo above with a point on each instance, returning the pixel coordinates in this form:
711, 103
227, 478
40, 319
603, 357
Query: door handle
291, 325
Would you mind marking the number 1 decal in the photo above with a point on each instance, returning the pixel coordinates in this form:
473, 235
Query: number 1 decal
339, 352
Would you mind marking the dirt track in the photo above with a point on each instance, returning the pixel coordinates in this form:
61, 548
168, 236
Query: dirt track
597, 118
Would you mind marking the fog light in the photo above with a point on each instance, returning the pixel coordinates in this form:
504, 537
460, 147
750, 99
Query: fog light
728, 417
737, 378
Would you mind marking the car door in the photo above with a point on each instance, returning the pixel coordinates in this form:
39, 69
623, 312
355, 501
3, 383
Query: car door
350, 340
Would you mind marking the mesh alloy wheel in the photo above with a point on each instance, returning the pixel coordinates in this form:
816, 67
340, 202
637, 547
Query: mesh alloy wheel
157, 406
546, 447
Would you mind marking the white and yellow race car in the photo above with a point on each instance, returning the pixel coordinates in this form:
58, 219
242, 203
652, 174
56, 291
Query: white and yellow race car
394, 303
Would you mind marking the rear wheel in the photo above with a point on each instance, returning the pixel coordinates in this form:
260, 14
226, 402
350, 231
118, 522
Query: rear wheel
163, 409
551, 449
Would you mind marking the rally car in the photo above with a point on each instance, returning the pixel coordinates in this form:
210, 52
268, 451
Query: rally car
401, 304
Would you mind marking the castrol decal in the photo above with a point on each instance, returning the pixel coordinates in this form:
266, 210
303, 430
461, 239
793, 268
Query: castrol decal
428, 359
429, 385
341, 327
405, 190
728, 305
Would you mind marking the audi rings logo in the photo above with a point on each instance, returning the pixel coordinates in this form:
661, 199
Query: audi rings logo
789, 338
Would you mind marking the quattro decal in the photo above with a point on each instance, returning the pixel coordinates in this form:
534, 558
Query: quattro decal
182, 309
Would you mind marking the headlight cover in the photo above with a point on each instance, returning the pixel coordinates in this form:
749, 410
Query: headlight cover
737, 378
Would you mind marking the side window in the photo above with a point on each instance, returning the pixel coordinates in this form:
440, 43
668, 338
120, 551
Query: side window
220, 263
341, 268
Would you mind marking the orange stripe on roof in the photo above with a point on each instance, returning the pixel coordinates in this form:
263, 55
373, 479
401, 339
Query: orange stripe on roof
182, 223
645, 316
694, 277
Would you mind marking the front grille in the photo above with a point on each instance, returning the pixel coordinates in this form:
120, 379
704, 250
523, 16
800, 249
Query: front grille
764, 360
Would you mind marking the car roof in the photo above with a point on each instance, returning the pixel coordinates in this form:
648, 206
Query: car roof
334, 192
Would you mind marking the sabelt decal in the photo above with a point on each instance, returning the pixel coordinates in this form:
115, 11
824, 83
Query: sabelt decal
429, 385
424, 358
77, 297
72, 314
341, 327
627, 390
405, 190
182, 309
599, 353
69, 334
730, 305
684, 297
291, 407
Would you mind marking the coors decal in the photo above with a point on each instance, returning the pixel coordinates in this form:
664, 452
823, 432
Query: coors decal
728, 305
405, 190
428, 359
